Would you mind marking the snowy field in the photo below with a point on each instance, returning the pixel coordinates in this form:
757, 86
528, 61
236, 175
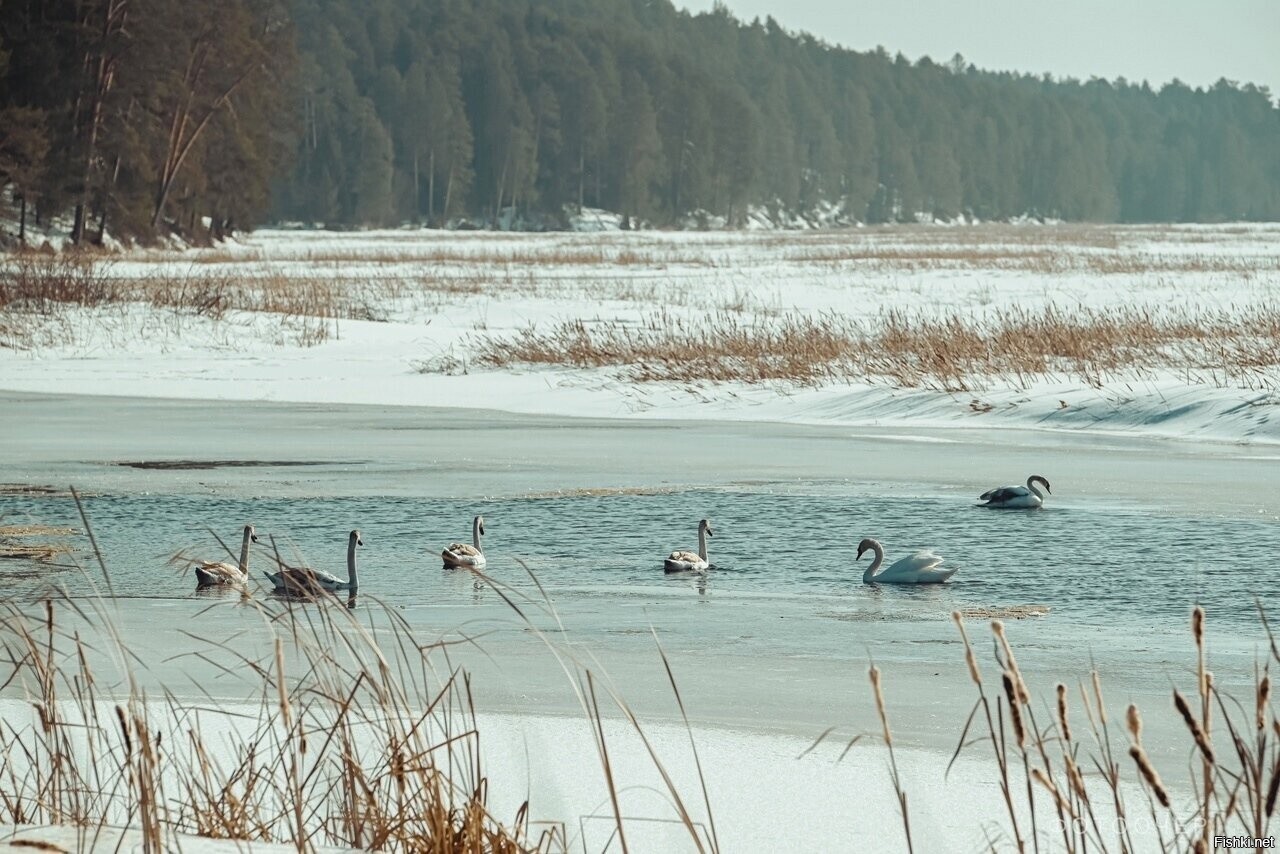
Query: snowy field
406, 317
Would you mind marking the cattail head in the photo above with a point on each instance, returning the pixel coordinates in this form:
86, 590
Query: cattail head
1197, 625
1134, 721
1015, 711
1023, 695
1076, 778
1264, 701
1272, 791
969, 658
1062, 712
1149, 774
124, 731
1197, 733
874, 673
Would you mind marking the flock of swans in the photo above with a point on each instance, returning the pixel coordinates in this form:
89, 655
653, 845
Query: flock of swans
922, 567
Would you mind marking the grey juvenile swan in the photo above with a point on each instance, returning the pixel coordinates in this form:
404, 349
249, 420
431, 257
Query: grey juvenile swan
292, 579
210, 573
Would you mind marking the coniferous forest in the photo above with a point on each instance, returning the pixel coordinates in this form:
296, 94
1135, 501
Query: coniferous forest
136, 117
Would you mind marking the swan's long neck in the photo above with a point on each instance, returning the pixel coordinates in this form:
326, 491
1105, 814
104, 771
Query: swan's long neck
702, 542
475, 533
244, 553
1031, 485
875, 564
352, 581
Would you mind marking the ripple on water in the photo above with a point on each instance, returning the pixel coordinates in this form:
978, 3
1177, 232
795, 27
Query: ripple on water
1095, 565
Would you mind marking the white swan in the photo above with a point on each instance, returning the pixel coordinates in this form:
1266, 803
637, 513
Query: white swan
294, 579
210, 573
682, 561
463, 555
919, 568
1017, 497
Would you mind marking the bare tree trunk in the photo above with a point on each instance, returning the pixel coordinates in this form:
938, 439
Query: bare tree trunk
113, 14
22, 219
502, 185
448, 193
180, 141
431, 187
102, 224
417, 191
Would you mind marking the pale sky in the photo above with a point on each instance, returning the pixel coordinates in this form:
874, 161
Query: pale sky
1197, 41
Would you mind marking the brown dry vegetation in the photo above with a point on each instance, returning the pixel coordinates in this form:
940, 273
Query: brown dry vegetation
953, 353
42, 287
1085, 249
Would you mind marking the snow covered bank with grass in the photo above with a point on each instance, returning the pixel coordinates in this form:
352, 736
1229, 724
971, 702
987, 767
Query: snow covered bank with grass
404, 317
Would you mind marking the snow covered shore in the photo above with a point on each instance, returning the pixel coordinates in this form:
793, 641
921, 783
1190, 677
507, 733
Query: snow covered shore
425, 300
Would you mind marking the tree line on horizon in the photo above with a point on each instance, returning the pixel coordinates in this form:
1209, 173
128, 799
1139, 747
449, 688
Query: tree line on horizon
139, 117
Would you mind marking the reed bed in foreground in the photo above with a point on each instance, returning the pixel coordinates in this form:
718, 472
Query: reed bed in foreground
352, 742
1066, 784
353, 734
953, 352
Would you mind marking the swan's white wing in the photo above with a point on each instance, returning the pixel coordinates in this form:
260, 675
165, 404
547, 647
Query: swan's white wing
1004, 493
913, 563
685, 557
464, 550
303, 578
918, 568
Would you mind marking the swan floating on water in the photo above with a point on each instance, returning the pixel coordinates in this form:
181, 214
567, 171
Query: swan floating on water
919, 568
291, 579
211, 573
463, 555
683, 561
1017, 497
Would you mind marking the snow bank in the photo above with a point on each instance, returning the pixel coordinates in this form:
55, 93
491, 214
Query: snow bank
439, 291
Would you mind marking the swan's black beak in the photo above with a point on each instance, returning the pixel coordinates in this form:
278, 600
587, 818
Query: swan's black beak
359, 541
253, 538
861, 552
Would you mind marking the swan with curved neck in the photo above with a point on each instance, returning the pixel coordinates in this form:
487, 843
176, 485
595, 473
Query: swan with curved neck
1017, 497
292, 579
463, 555
686, 561
919, 568
211, 573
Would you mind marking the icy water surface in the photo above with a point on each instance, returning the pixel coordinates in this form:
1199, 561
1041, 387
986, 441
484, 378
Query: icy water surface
793, 543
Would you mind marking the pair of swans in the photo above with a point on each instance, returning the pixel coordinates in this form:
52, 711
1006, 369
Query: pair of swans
919, 568
923, 566
288, 578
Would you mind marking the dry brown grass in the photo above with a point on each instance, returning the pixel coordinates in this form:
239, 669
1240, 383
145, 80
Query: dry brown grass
36, 288
953, 353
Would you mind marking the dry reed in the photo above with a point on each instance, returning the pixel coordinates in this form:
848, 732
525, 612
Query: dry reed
952, 353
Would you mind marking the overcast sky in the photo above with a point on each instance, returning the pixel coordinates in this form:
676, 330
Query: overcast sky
1197, 41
